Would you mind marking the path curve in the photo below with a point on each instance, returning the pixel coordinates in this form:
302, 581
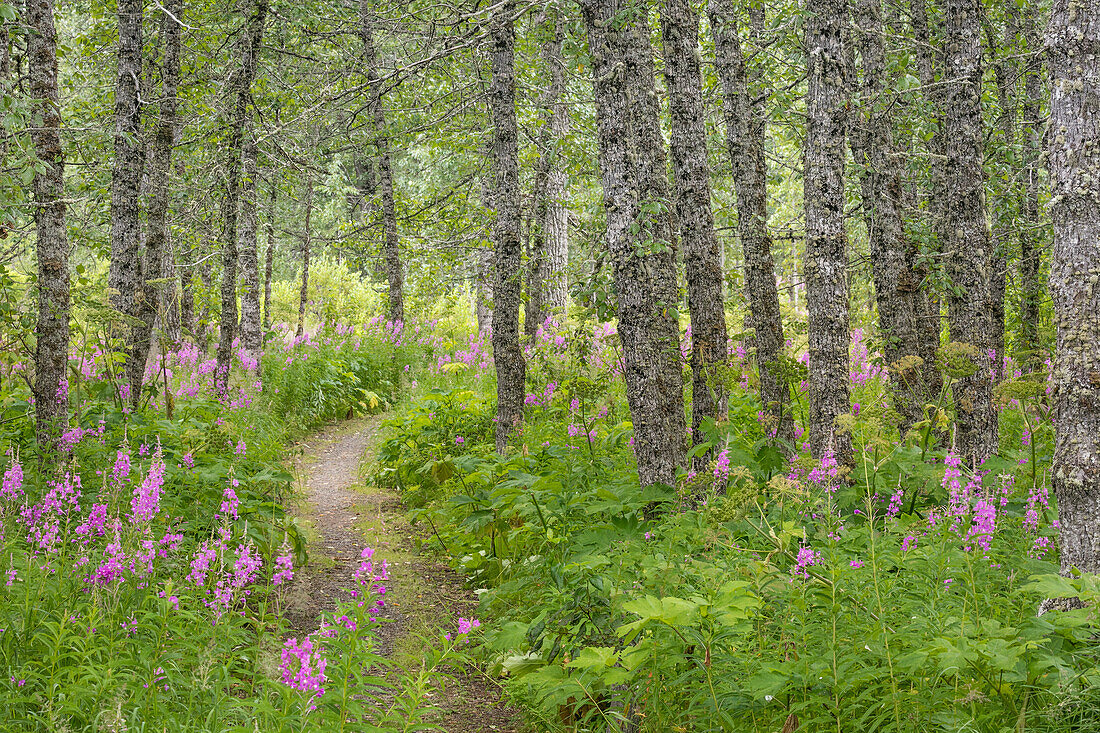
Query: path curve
341, 515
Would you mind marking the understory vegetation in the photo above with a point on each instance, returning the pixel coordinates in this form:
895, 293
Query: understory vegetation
901, 594
144, 573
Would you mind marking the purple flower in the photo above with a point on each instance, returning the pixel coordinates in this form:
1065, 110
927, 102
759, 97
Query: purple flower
12, 487
145, 504
459, 440
806, 558
303, 667
466, 625
895, 502
284, 567
231, 503
722, 466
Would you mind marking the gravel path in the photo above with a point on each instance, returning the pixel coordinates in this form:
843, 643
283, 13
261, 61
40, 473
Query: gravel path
341, 516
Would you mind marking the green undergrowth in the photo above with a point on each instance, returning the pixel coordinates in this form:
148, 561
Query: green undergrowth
145, 563
759, 592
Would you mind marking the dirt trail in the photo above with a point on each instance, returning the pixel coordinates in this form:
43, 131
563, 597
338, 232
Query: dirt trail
341, 515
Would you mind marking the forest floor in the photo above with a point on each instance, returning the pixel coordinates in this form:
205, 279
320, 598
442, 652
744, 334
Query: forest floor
341, 513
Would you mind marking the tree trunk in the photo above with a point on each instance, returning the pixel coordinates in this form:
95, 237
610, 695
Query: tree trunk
251, 338
51, 352
1032, 137
1073, 41
507, 355
899, 296
483, 265
702, 253
160, 159
187, 294
171, 302
1006, 73
639, 240
967, 247
826, 239
546, 287
240, 85
269, 260
555, 224
391, 249
303, 294
930, 324
124, 275
745, 140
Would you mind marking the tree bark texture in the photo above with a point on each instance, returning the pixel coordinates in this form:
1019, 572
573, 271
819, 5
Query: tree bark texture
967, 248
547, 288
1073, 42
251, 332
928, 59
826, 241
691, 173
483, 263
507, 355
240, 86
51, 351
124, 274
1006, 75
1032, 139
303, 293
745, 140
391, 248
902, 303
639, 238
269, 259
160, 159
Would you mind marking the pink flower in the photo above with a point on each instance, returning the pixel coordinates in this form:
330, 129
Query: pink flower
284, 567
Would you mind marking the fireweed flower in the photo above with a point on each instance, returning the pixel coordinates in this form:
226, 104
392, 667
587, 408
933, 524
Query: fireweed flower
722, 466
284, 567
121, 470
895, 502
145, 504
230, 503
806, 558
985, 523
12, 487
303, 667
200, 564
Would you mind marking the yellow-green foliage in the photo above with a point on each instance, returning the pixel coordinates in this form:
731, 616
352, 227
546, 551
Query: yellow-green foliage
336, 294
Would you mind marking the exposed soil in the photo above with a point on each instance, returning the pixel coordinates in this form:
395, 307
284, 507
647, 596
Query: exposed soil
342, 515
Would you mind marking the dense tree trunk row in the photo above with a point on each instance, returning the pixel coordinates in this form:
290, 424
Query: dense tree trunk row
901, 298
157, 248
702, 254
240, 88
546, 284
968, 251
745, 130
